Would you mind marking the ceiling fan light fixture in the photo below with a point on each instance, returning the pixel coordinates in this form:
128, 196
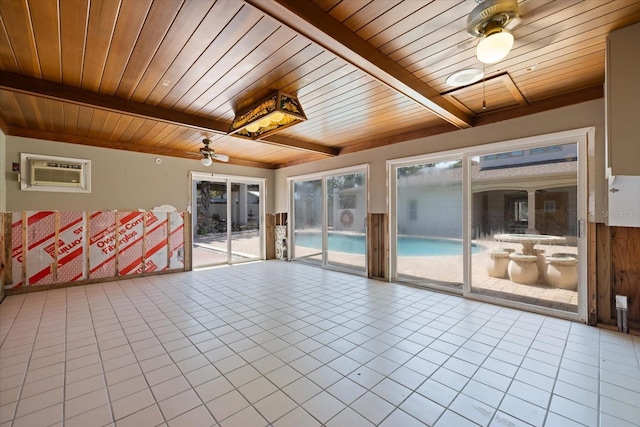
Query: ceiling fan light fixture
206, 161
494, 46
271, 115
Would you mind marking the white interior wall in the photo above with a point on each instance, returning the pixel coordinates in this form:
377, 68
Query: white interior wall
120, 179
3, 172
577, 116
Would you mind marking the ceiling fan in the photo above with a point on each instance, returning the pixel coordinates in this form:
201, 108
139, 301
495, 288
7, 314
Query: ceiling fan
208, 154
490, 21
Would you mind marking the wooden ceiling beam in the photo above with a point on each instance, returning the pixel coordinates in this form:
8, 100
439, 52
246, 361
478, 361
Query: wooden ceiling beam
309, 20
286, 142
563, 100
64, 93
126, 146
59, 92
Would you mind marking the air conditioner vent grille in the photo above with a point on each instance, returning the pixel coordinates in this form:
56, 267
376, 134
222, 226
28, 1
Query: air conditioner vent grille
56, 174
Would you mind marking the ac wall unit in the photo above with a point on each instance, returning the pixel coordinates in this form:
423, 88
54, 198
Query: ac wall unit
56, 174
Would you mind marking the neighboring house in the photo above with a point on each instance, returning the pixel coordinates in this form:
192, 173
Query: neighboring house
526, 191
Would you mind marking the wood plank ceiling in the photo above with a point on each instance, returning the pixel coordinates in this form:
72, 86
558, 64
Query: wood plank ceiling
158, 76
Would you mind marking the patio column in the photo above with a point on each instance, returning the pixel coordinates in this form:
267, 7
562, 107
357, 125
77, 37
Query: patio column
531, 212
242, 203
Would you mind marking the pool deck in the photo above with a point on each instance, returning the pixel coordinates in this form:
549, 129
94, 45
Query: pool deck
421, 271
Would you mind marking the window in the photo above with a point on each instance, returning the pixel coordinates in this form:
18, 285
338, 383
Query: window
549, 206
347, 201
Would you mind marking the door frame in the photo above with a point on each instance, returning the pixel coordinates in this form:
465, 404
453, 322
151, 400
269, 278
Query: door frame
229, 180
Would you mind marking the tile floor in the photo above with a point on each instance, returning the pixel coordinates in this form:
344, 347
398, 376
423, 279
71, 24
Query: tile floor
285, 344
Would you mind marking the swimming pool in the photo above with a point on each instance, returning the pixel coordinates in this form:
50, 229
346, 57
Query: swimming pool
407, 246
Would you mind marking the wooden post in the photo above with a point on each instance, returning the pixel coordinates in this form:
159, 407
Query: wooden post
377, 246
188, 261
592, 275
270, 236
603, 266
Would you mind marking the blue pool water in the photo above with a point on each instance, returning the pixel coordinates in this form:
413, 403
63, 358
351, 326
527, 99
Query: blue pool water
407, 246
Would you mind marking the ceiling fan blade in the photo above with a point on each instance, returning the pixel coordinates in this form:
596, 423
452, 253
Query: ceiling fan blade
220, 157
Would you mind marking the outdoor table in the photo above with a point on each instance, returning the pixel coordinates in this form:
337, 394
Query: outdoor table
528, 241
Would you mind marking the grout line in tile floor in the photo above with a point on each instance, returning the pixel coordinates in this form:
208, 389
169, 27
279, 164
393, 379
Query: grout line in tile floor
287, 344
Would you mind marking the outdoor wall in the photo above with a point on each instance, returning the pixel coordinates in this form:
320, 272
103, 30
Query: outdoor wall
120, 179
573, 117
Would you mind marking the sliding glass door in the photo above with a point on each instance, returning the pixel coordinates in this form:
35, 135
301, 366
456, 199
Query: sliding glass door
308, 220
525, 208
227, 218
329, 219
503, 222
428, 224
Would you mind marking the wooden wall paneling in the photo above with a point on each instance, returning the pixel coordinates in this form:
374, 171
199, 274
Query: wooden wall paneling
25, 250
6, 264
188, 242
56, 249
73, 19
87, 238
3, 239
145, 218
270, 236
603, 266
168, 240
377, 246
592, 274
625, 269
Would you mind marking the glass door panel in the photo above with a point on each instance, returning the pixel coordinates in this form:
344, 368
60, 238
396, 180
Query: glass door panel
307, 220
429, 247
346, 221
245, 222
525, 211
210, 224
